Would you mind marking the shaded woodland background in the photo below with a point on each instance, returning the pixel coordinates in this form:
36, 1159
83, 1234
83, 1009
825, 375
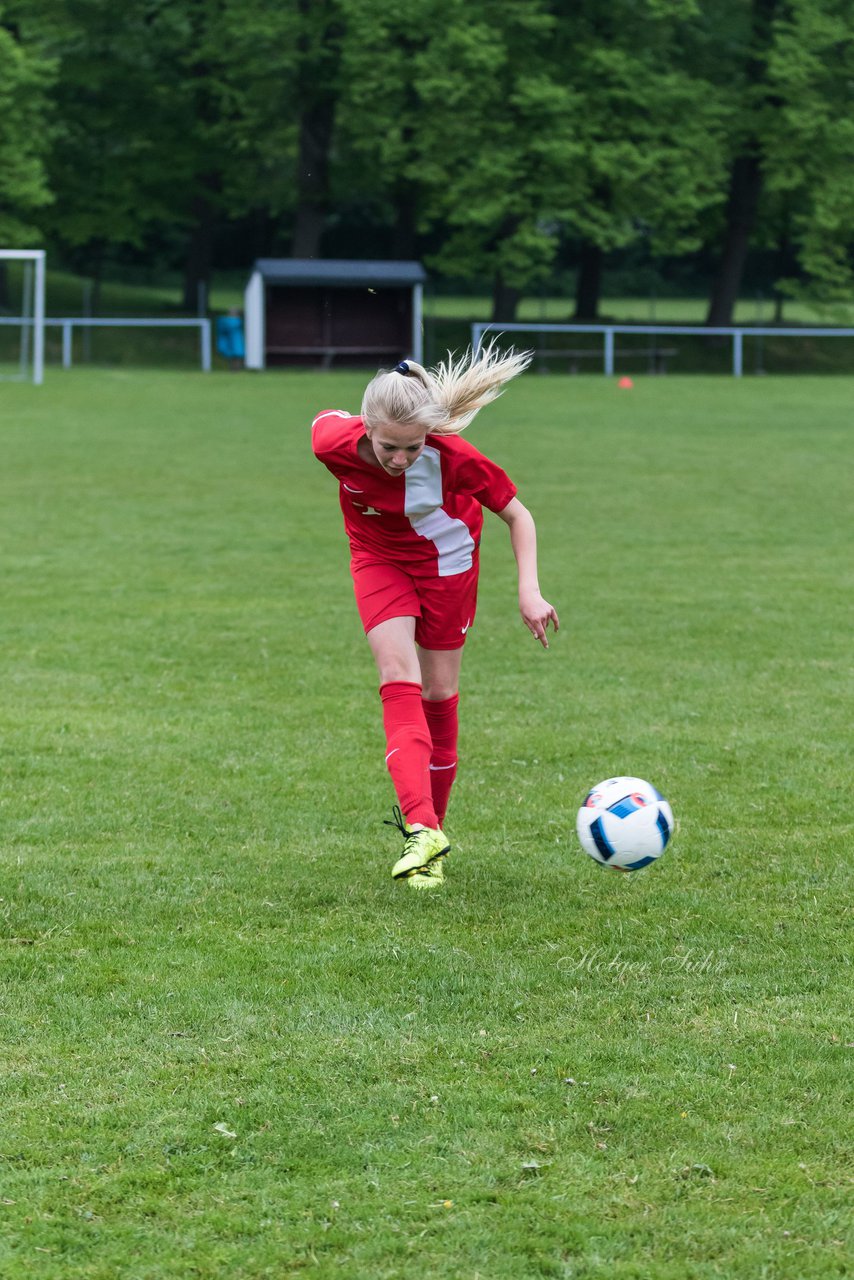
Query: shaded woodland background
690, 146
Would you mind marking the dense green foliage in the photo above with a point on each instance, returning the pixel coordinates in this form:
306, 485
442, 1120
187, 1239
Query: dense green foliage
500, 141
231, 1045
25, 75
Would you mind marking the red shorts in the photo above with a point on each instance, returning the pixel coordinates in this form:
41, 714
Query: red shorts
443, 608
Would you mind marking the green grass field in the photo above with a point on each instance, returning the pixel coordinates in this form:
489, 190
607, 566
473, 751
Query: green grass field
232, 1046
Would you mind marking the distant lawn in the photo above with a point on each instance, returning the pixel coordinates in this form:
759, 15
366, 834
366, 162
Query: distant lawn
232, 1046
637, 311
447, 326
71, 295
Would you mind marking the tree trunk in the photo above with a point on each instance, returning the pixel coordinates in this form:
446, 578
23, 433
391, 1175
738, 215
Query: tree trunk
404, 237
505, 300
783, 259
315, 139
97, 286
744, 191
589, 285
746, 176
199, 259
319, 45
97, 255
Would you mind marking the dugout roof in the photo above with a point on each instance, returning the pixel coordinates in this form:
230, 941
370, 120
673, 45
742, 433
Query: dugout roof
339, 271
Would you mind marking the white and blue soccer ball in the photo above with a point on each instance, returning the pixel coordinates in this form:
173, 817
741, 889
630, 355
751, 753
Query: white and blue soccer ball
625, 823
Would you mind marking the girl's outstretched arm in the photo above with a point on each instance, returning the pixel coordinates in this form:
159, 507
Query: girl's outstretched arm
536, 612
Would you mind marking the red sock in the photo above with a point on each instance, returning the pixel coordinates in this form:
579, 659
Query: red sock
408, 749
443, 723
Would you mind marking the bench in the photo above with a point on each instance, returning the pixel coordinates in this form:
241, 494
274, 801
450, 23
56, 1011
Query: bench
657, 356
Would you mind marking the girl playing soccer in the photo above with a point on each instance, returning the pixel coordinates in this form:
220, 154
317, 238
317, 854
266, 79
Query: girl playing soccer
412, 492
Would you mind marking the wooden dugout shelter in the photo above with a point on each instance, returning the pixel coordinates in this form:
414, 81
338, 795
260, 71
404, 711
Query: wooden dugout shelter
305, 311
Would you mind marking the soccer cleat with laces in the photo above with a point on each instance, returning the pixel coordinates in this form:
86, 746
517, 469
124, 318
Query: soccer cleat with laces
432, 877
398, 821
422, 851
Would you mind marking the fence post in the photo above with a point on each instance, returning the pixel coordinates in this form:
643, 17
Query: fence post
609, 353
737, 353
418, 323
66, 345
38, 317
205, 326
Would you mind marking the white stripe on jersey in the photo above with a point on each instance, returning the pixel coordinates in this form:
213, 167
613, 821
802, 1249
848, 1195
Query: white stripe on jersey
423, 506
331, 413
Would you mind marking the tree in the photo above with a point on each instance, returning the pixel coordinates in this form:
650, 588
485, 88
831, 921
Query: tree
753, 104
542, 123
651, 132
376, 180
499, 141
319, 37
236, 92
168, 117
26, 77
792, 146
498, 156
106, 165
810, 142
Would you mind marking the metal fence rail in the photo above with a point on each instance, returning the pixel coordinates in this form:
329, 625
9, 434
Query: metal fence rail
69, 323
479, 331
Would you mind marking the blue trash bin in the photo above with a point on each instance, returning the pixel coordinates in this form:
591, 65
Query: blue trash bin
229, 337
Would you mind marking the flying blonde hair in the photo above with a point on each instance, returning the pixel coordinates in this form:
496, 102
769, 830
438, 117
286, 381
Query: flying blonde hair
444, 400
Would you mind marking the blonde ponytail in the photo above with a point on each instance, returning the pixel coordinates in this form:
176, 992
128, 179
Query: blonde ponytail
442, 401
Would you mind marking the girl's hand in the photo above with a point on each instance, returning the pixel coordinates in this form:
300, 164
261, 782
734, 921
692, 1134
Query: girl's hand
536, 615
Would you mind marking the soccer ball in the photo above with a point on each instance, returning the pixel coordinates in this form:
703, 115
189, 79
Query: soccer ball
624, 823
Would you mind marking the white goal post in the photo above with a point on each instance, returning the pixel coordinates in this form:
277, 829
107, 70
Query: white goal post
32, 317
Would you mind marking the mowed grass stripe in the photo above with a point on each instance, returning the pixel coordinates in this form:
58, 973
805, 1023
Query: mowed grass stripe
546, 1070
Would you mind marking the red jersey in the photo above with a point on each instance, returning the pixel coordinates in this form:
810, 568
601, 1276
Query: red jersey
428, 520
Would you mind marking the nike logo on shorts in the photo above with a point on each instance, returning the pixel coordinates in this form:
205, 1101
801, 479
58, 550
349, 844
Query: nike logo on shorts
464, 629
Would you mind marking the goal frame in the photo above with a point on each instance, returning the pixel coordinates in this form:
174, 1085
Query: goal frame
37, 257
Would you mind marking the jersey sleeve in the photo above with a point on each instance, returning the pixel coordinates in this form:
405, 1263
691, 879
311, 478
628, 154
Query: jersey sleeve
329, 434
481, 478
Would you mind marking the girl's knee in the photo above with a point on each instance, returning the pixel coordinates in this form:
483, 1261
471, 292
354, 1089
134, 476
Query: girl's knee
438, 691
390, 672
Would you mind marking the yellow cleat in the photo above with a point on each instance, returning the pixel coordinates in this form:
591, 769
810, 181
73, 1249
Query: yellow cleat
432, 877
421, 849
